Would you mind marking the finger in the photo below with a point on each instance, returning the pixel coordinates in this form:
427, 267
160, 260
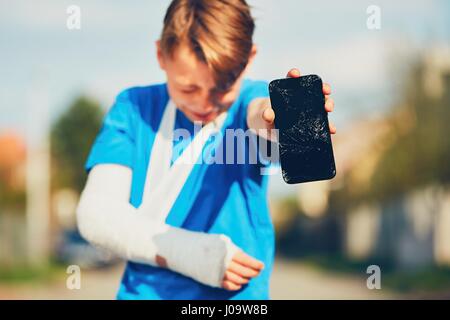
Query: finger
242, 270
268, 115
248, 261
326, 89
228, 285
329, 105
332, 128
293, 73
161, 261
236, 279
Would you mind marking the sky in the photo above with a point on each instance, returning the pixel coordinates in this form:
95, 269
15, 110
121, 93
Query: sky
44, 66
115, 49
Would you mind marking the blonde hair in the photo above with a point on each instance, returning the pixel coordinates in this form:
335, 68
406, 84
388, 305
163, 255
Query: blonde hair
218, 31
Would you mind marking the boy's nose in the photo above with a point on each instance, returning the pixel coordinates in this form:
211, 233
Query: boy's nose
217, 100
208, 105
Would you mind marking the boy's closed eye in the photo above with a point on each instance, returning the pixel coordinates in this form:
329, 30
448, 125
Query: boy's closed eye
187, 92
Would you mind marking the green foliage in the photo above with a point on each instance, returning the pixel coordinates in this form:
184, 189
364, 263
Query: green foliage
72, 136
22, 273
422, 155
425, 280
14, 200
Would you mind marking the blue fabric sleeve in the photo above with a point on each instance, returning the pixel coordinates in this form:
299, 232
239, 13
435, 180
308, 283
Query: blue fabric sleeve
115, 142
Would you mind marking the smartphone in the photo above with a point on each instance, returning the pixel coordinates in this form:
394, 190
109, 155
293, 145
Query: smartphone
305, 148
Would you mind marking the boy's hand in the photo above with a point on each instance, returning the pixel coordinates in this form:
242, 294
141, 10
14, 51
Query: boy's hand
268, 114
240, 270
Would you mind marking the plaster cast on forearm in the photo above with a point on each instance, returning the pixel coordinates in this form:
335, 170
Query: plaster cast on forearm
107, 219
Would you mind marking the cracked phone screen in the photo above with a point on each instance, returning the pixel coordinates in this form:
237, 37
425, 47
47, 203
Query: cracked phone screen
305, 148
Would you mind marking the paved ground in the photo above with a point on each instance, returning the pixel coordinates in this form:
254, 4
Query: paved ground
95, 284
289, 281
299, 281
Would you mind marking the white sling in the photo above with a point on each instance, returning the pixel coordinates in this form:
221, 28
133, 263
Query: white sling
164, 182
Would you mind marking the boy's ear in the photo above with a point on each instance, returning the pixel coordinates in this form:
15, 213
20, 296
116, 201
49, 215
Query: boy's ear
159, 55
253, 53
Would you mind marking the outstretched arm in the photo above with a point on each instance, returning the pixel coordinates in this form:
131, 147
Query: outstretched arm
107, 219
261, 116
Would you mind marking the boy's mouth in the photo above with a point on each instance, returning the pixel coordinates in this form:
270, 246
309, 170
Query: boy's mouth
201, 116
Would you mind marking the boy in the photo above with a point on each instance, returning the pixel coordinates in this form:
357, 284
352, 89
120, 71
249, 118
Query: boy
188, 230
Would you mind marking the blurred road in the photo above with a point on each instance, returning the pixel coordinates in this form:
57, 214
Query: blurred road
296, 280
290, 280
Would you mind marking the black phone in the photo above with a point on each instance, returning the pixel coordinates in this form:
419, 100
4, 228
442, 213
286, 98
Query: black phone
305, 148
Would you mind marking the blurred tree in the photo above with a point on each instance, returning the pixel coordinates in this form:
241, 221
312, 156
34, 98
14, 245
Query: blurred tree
418, 147
421, 156
71, 138
11, 198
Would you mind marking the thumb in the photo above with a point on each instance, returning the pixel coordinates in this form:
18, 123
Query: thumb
268, 115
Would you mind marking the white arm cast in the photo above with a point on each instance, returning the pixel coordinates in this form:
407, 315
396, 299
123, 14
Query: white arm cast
107, 219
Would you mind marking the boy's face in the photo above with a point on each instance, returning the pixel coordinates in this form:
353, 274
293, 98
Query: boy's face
191, 85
